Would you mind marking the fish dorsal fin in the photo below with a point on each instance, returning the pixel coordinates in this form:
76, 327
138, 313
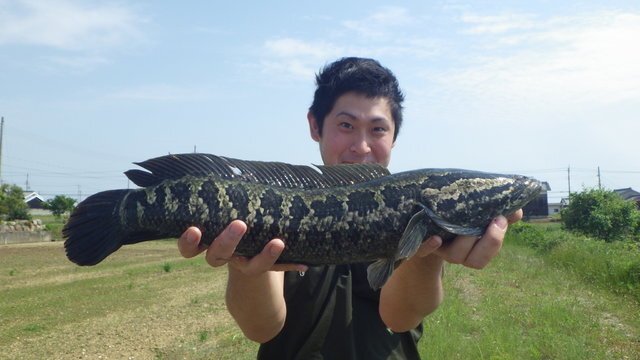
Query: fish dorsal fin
269, 173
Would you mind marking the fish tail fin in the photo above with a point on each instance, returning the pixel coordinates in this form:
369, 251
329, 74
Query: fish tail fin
379, 272
94, 230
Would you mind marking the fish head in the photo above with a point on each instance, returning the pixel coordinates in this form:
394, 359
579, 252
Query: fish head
525, 190
473, 198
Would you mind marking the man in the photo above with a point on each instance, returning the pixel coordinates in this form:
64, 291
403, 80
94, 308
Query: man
331, 312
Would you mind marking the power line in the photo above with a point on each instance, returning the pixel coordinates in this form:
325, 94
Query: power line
70, 147
622, 171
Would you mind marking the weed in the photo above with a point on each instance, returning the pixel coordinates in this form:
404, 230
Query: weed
203, 335
33, 328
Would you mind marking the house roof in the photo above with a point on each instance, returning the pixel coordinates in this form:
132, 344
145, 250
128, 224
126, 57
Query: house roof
32, 195
628, 193
546, 186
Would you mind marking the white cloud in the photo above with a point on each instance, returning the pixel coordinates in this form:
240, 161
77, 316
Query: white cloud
560, 62
296, 57
498, 24
289, 47
66, 25
370, 36
512, 61
378, 24
78, 62
295, 68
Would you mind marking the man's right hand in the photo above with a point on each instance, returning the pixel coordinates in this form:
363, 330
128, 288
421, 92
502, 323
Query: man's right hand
222, 248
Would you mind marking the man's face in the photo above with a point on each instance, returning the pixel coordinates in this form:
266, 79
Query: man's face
357, 130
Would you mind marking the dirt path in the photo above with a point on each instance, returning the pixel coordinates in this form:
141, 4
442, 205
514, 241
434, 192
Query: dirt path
188, 319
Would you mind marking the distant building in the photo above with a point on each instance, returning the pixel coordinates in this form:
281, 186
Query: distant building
33, 199
540, 205
629, 194
554, 208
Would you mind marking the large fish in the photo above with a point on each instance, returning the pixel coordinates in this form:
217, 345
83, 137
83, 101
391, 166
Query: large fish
325, 215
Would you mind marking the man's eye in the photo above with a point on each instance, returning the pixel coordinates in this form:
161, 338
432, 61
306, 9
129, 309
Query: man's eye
346, 125
379, 129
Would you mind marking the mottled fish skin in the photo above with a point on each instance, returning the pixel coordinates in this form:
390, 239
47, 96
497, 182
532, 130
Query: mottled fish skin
345, 224
335, 215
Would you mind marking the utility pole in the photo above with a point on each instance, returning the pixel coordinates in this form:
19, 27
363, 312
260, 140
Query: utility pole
569, 178
1, 129
599, 182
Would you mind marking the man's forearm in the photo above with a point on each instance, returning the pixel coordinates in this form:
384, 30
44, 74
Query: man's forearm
256, 302
413, 292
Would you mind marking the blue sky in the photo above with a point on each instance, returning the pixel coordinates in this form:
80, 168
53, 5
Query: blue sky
88, 87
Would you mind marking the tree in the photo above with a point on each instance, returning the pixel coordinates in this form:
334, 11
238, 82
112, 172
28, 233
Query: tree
12, 204
59, 205
602, 214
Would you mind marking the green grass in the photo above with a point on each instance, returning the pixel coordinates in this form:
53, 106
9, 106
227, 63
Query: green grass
609, 265
52, 224
522, 306
129, 299
166, 267
33, 327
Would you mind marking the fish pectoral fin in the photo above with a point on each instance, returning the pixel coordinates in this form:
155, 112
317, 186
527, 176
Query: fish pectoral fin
413, 236
379, 272
452, 228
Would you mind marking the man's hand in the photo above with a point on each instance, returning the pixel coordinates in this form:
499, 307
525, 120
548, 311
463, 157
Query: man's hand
421, 275
222, 248
255, 288
476, 252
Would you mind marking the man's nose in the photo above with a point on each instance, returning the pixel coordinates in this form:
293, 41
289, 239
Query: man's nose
361, 145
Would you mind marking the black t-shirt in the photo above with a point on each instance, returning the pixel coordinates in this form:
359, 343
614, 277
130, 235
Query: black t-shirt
332, 313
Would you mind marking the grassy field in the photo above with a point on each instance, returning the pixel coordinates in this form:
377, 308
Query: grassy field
521, 308
146, 302
54, 225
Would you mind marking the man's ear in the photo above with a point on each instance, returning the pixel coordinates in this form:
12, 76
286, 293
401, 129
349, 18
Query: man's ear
313, 126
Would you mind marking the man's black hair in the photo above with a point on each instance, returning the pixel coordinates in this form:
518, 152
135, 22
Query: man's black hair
360, 75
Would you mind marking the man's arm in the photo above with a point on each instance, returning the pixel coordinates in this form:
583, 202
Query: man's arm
414, 290
257, 303
255, 295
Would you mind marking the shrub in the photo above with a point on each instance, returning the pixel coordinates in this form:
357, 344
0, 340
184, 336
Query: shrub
633, 273
532, 236
59, 205
602, 214
12, 203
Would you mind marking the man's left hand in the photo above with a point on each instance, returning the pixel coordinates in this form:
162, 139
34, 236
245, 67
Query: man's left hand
472, 251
